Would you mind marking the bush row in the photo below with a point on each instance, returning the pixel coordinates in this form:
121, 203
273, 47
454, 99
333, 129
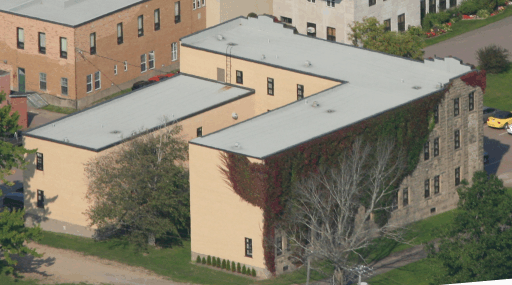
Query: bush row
227, 265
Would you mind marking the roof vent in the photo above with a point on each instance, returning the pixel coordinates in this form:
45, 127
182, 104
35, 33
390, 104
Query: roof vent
134, 133
65, 140
237, 145
315, 104
307, 63
262, 56
220, 37
440, 85
416, 87
232, 44
402, 81
330, 111
234, 115
115, 132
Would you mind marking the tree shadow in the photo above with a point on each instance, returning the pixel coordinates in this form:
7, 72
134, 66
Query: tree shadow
31, 264
497, 151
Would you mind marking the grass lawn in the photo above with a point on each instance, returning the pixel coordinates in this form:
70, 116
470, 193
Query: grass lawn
416, 273
465, 26
498, 93
57, 109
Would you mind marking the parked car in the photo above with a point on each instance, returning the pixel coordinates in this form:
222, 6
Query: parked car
500, 120
14, 201
488, 112
486, 157
140, 84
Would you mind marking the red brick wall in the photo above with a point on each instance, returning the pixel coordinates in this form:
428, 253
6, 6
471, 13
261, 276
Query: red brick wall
5, 84
20, 104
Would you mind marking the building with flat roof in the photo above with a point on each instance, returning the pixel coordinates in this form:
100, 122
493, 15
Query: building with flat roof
75, 52
349, 86
55, 186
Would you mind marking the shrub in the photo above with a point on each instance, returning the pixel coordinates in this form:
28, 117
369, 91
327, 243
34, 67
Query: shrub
233, 266
469, 7
493, 59
228, 265
203, 261
214, 261
483, 14
218, 262
248, 271
209, 260
244, 270
198, 259
239, 268
223, 264
253, 273
431, 19
502, 2
252, 15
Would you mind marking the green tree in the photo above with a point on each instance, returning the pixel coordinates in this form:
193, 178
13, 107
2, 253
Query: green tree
203, 261
233, 266
228, 265
218, 262
371, 34
14, 234
223, 264
141, 191
214, 261
478, 245
209, 260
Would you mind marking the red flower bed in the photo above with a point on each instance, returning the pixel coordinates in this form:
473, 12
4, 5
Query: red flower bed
158, 77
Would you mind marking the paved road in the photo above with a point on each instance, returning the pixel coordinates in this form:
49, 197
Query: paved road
466, 45
497, 142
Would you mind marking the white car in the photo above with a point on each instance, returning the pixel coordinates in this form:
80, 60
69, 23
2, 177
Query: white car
509, 129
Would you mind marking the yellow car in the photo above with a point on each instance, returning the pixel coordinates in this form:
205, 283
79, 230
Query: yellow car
500, 120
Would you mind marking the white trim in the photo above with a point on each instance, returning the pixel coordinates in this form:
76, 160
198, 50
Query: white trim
115, 69
145, 62
87, 77
125, 65
97, 80
151, 53
174, 50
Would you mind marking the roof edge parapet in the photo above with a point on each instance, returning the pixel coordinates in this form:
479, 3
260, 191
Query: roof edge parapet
448, 64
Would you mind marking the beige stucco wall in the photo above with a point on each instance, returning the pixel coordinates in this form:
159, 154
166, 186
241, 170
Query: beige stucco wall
219, 11
220, 219
255, 75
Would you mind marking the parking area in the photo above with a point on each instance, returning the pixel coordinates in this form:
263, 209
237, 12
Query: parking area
497, 142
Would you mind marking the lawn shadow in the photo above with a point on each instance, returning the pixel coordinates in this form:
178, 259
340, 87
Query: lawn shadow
31, 264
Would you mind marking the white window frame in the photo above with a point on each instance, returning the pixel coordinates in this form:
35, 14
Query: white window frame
143, 62
174, 48
198, 5
64, 83
330, 3
89, 83
203, 2
97, 80
151, 59
125, 65
41, 76
194, 5
311, 1
115, 69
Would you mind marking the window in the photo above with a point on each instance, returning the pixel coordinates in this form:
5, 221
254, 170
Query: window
401, 22
39, 161
270, 86
200, 132
89, 83
436, 184
42, 43
394, 203
140, 20
432, 6
93, 43
248, 247
311, 1
125, 65
432, 210
427, 188
174, 48
436, 114
63, 48
42, 81
286, 20
288, 244
279, 246
157, 19
405, 197
372, 2
330, 3
64, 86
426, 150
143, 63
455, 107
21, 38
97, 80
442, 5
177, 12
436, 147
471, 101
453, 3
311, 31
193, 4
119, 33
40, 198
198, 3
300, 92
331, 34
239, 77
457, 176
387, 25
457, 139
204, 3
115, 69
151, 60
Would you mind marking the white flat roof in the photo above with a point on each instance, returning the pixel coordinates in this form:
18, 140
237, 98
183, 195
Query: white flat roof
374, 83
105, 125
67, 12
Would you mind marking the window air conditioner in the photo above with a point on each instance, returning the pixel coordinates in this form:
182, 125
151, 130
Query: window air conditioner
311, 30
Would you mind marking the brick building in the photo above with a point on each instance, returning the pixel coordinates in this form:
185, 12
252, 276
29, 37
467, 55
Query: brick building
18, 102
74, 52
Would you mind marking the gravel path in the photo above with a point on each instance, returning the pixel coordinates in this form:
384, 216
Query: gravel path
66, 266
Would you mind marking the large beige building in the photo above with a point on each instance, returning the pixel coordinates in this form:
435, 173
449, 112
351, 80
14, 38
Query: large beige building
345, 85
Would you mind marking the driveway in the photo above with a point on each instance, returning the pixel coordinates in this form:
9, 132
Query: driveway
465, 46
497, 142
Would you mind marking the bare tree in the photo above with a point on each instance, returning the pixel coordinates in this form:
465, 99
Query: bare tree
329, 216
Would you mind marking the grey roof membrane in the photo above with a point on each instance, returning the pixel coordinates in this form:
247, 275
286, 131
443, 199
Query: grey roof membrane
376, 82
68, 12
175, 98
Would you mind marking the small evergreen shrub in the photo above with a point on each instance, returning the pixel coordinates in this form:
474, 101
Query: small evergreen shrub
218, 262
209, 260
239, 268
203, 261
244, 270
228, 265
253, 273
483, 14
223, 264
214, 261
493, 59
198, 259
249, 271
233, 266
252, 15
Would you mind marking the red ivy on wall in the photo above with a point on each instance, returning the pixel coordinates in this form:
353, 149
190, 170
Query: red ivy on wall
476, 78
